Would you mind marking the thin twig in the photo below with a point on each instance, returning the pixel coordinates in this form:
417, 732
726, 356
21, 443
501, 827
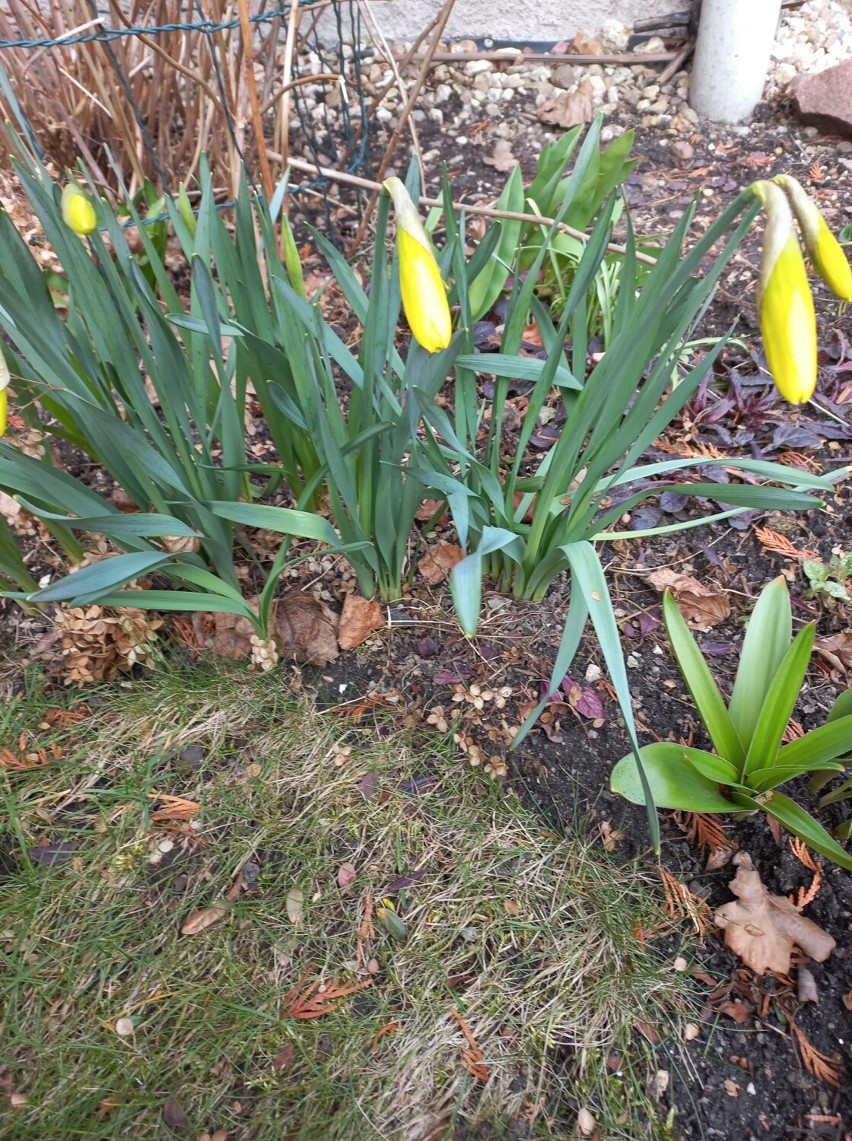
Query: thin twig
484, 211
676, 64
292, 26
512, 56
403, 62
254, 102
365, 6
406, 111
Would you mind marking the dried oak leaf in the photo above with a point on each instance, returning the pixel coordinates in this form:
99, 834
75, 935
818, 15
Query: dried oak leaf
359, 619
762, 928
304, 628
231, 634
570, 108
702, 607
502, 159
438, 561
837, 651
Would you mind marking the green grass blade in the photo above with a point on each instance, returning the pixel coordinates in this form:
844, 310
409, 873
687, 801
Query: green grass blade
781, 697
673, 777
92, 581
702, 686
834, 739
767, 638
587, 574
803, 825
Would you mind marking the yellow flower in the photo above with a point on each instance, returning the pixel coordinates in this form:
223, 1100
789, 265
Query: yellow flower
424, 297
826, 252
785, 304
78, 213
4, 395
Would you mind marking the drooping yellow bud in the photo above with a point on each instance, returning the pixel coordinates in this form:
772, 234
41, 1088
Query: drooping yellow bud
424, 297
785, 304
78, 213
4, 394
826, 252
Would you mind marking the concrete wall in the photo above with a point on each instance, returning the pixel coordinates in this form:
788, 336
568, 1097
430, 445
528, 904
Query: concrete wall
521, 20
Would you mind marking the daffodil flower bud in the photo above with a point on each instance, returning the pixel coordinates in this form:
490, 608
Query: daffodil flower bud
825, 251
785, 304
424, 297
78, 213
4, 395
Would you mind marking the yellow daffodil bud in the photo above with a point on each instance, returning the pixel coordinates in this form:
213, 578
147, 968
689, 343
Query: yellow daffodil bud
785, 304
4, 394
826, 252
424, 297
78, 213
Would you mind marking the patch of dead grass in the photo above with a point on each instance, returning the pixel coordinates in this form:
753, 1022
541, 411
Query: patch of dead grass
508, 947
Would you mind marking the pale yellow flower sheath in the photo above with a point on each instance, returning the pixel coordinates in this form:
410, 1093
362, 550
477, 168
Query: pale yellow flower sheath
785, 304
424, 296
825, 251
78, 213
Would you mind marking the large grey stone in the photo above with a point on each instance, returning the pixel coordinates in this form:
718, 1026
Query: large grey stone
824, 99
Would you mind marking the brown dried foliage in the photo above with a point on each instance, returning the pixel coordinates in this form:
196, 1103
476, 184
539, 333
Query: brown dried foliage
823, 1068
317, 998
472, 1058
98, 643
73, 98
778, 544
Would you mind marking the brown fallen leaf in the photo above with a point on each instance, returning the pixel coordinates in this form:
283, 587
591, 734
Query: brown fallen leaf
346, 873
570, 108
173, 1115
762, 928
736, 1010
200, 920
806, 987
304, 628
702, 607
502, 158
837, 651
438, 561
359, 618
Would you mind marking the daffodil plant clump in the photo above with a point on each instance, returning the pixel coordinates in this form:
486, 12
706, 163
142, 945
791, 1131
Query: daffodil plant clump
154, 387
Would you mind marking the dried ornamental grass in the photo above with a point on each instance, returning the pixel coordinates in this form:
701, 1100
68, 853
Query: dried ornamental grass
177, 92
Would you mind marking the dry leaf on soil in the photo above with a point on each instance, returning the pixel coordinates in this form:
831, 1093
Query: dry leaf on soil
702, 607
200, 920
359, 619
570, 108
304, 629
295, 904
438, 561
762, 928
837, 651
502, 159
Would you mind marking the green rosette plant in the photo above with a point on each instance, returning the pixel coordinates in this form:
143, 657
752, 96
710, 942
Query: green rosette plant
749, 761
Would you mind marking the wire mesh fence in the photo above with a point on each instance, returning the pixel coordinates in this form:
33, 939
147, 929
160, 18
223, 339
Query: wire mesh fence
147, 89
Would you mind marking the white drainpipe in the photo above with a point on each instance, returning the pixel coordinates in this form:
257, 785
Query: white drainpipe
735, 40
